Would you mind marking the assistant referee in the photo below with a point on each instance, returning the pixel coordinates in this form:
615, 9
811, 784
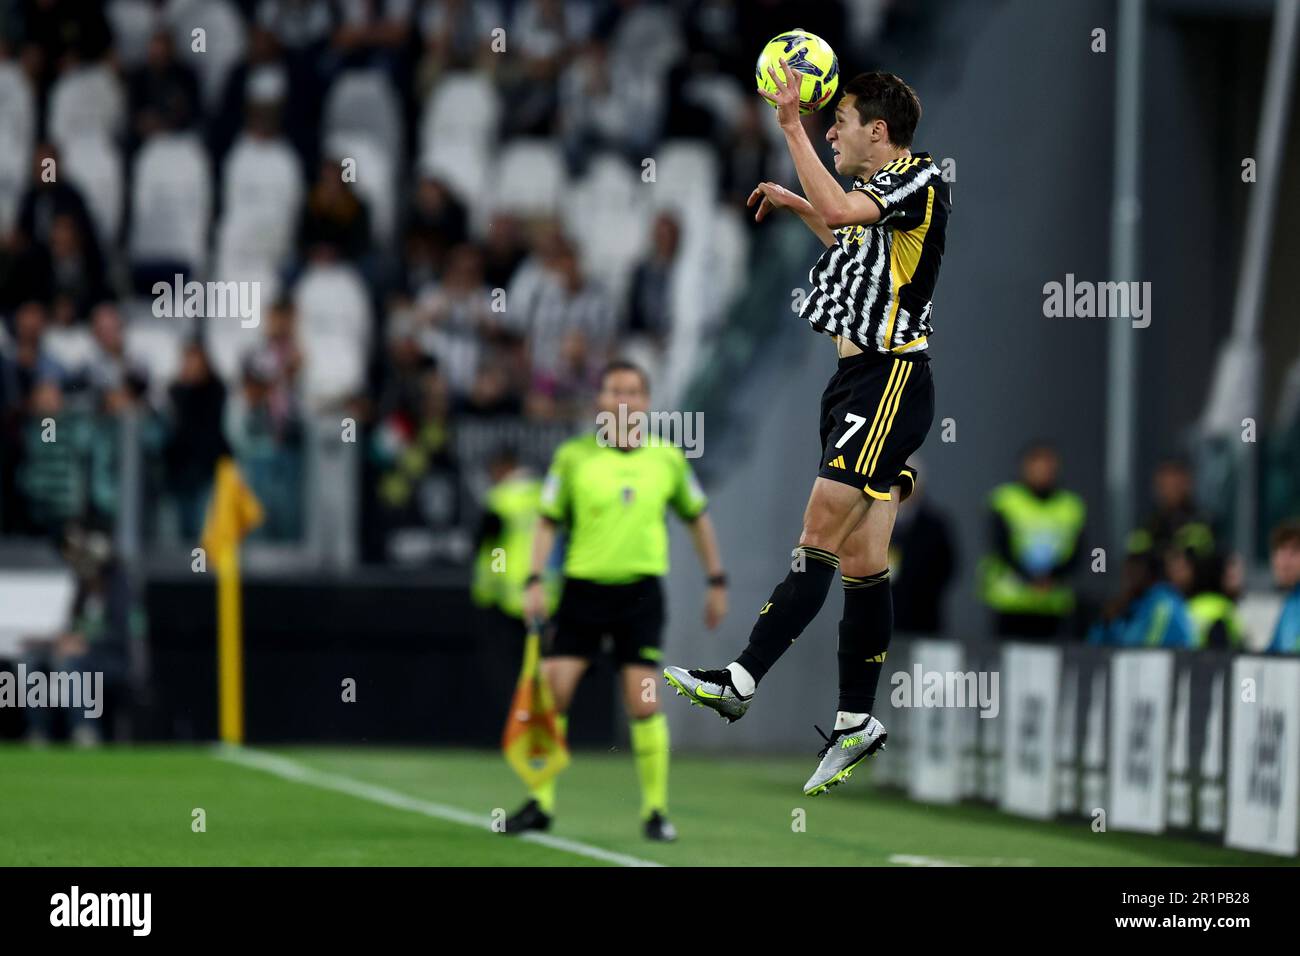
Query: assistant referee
610, 490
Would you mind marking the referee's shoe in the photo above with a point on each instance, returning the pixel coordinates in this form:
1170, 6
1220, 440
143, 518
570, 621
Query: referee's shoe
712, 689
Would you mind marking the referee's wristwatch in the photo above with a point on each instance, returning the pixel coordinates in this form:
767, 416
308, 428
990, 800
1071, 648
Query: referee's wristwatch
717, 580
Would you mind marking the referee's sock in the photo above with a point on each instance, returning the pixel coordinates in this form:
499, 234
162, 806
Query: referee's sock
865, 630
789, 610
544, 793
650, 746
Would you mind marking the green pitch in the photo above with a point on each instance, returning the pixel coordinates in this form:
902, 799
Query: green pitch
339, 807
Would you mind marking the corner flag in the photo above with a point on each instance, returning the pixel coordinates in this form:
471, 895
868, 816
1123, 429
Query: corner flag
233, 512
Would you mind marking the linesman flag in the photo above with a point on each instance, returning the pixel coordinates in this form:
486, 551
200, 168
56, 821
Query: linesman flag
533, 742
233, 512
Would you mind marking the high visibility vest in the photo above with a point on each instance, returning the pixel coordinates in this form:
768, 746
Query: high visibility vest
1043, 533
501, 566
1209, 609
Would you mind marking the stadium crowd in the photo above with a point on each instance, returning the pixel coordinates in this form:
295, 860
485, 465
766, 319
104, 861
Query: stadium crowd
388, 175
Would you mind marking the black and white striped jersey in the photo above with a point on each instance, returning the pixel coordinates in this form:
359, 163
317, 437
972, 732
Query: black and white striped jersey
875, 285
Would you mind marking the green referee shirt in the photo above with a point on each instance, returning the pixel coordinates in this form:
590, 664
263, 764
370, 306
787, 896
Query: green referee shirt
613, 500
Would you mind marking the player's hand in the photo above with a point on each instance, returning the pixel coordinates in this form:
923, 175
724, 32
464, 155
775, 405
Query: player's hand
535, 603
786, 98
773, 196
715, 606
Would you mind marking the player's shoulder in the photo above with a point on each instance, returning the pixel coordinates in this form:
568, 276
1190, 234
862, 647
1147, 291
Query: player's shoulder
916, 169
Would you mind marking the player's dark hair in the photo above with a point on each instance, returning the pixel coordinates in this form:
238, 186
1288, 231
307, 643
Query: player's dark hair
883, 96
623, 365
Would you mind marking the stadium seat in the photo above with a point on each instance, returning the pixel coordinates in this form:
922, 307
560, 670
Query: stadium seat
94, 165
226, 338
72, 347
88, 99
224, 42
463, 107
334, 324
363, 101
262, 193
596, 214
156, 344
686, 178
529, 178
375, 179
133, 22
17, 131
171, 201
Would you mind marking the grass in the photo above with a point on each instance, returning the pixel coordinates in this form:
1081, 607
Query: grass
134, 807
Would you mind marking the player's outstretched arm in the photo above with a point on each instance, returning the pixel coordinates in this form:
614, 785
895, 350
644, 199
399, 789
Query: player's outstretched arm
828, 199
771, 196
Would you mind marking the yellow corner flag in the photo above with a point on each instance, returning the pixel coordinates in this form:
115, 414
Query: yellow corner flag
533, 743
233, 512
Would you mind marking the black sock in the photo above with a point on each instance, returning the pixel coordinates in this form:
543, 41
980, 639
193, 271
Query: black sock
790, 609
865, 630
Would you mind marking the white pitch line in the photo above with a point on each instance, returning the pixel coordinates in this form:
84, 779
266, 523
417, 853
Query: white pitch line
288, 769
909, 859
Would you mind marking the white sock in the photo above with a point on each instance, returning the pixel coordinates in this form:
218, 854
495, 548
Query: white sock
844, 720
742, 679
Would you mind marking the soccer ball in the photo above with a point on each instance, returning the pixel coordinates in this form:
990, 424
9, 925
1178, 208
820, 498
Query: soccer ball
811, 57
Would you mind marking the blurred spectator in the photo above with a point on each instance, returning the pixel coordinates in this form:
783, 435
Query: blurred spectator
747, 159
922, 559
1149, 612
457, 35
504, 250
109, 368
27, 362
541, 37
266, 439
163, 93
1285, 560
570, 325
197, 438
61, 34
76, 271
52, 472
1173, 491
649, 306
1036, 531
436, 222
264, 78
1202, 575
335, 223
454, 314
604, 107
49, 196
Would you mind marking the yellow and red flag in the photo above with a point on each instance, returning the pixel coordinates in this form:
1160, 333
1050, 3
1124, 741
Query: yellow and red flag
533, 742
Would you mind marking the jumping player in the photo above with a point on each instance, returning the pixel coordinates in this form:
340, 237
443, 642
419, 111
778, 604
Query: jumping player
871, 293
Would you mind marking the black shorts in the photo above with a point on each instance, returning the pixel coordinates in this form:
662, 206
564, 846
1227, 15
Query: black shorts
629, 616
876, 411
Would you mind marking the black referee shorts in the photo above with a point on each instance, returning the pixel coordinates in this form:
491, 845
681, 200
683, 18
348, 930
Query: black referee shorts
876, 411
629, 616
